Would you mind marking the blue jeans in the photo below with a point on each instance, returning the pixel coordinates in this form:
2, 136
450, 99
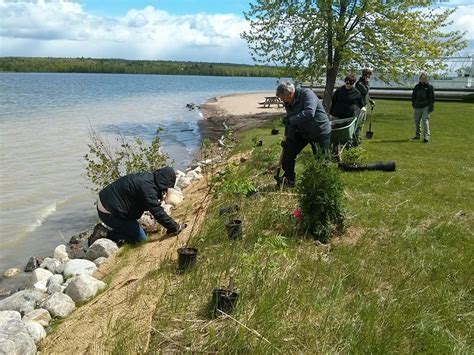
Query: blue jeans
123, 230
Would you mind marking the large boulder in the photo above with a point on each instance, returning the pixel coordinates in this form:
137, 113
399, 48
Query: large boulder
54, 284
24, 301
14, 336
59, 305
40, 316
35, 330
76, 267
60, 253
52, 265
101, 247
40, 274
83, 287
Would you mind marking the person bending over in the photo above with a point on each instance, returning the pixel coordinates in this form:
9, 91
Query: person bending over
306, 122
347, 100
122, 202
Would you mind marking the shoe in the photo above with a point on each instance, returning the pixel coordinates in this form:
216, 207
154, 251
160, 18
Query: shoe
288, 183
415, 138
426, 141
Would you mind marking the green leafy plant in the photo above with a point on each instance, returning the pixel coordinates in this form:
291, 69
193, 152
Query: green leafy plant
357, 155
320, 197
107, 162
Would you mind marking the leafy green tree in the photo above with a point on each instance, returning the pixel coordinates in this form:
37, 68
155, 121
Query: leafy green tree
317, 38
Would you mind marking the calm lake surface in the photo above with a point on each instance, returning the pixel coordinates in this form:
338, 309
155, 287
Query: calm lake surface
44, 131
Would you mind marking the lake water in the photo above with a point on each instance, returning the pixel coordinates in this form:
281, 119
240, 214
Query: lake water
44, 131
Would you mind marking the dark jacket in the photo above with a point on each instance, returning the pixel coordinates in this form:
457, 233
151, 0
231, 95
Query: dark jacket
131, 195
362, 86
423, 96
306, 116
346, 103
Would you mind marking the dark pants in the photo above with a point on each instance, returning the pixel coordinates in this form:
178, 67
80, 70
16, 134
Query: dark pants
126, 230
294, 145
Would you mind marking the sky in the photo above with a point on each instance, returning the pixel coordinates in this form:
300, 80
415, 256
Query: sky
191, 30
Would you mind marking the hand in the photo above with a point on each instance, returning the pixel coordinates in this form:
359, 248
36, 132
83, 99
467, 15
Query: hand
372, 103
179, 230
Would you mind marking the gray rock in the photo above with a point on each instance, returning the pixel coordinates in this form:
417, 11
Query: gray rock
60, 253
83, 287
79, 238
14, 337
41, 285
59, 305
11, 273
101, 247
35, 330
51, 264
54, 284
79, 266
40, 316
40, 274
33, 263
24, 301
9, 315
99, 261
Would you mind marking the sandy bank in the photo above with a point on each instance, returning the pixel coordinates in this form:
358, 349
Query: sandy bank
238, 111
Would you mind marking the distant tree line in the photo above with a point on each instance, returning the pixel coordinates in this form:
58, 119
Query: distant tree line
122, 66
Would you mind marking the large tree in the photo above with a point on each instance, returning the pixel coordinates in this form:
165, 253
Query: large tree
317, 38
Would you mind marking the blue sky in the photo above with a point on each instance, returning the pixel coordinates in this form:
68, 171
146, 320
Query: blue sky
194, 30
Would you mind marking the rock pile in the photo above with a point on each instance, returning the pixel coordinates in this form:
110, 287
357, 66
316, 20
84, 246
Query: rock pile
58, 283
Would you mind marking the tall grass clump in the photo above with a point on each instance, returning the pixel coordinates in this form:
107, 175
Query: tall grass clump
320, 197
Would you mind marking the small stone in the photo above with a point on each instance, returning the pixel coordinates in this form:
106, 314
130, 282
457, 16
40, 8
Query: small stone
40, 316
35, 330
41, 285
11, 273
60, 253
101, 247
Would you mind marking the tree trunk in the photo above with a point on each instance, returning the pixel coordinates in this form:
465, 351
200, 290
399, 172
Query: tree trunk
331, 74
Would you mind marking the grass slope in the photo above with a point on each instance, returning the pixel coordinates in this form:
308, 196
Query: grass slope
400, 280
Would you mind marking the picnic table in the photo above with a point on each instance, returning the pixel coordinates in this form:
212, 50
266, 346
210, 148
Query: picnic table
269, 100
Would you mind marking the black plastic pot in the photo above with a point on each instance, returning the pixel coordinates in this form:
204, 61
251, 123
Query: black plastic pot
223, 300
234, 229
186, 258
381, 166
275, 132
228, 209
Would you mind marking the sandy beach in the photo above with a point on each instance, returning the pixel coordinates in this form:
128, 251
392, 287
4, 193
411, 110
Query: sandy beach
238, 111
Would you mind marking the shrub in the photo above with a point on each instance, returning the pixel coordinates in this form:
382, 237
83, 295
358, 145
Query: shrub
106, 163
320, 197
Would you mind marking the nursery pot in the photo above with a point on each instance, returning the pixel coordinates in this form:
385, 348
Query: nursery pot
275, 132
234, 229
223, 300
186, 258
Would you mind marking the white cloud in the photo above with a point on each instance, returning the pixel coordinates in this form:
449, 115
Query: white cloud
63, 28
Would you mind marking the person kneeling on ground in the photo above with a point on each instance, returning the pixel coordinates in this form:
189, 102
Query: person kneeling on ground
306, 122
122, 202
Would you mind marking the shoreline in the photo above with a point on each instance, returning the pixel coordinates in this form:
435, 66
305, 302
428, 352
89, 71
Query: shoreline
238, 111
216, 111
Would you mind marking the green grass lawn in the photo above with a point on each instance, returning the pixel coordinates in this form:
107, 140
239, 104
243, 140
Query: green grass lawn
399, 281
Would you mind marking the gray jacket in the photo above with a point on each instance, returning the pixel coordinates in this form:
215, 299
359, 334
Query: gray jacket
307, 116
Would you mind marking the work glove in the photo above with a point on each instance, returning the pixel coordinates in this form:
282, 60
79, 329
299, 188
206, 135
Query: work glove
180, 229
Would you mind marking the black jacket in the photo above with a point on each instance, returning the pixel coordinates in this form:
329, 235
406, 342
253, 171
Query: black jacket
131, 195
363, 86
306, 116
423, 96
346, 103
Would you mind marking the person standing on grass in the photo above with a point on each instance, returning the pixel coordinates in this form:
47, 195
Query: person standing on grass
306, 122
122, 202
422, 100
363, 87
347, 100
